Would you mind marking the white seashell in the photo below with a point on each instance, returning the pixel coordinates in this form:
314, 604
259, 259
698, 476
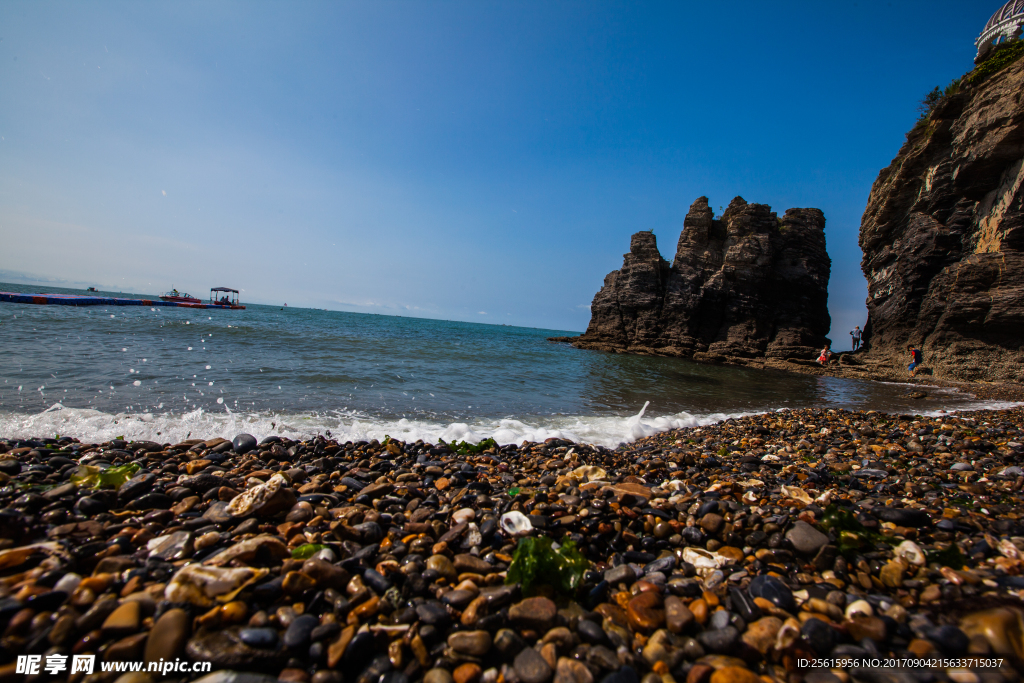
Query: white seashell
859, 607
787, 635
472, 536
911, 552
589, 473
253, 498
1008, 549
515, 522
704, 561
797, 494
201, 585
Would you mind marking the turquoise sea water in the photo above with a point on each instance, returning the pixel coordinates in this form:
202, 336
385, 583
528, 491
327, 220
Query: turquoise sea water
162, 373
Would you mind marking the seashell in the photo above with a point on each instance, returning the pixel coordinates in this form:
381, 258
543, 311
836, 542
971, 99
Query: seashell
1008, 549
797, 494
472, 537
787, 635
515, 522
203, 586
911, 552
704, 561
264, 499
246, 550
589, 473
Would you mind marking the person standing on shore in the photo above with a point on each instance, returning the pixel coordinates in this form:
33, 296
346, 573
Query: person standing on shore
915, 360
855, 337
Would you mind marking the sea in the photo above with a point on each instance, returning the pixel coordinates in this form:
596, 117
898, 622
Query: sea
168, 374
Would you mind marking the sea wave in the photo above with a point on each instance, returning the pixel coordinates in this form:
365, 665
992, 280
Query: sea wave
609, 431
96, 426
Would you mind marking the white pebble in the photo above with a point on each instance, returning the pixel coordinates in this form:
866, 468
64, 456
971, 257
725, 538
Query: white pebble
68, 583
463, 515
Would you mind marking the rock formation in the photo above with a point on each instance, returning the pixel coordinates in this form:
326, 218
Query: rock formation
746, 285
943, 236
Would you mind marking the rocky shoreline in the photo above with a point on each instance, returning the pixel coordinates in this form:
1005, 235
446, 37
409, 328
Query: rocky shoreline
739, 552
851, 365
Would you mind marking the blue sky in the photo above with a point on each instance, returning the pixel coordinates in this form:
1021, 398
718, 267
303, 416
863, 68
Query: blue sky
482, 161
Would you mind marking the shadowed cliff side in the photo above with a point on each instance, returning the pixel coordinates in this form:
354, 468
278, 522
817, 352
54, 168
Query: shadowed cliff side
748, 285
943, 235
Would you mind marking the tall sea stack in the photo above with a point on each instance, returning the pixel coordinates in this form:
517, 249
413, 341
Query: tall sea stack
943, 235
746, 285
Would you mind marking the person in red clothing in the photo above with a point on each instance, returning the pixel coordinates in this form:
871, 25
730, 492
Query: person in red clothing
826, 355
915, 360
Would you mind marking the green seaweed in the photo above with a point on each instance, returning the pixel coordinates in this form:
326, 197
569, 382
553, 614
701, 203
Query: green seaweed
536, 563
307, 550
89, 476
950, 557
851, 534
466, 448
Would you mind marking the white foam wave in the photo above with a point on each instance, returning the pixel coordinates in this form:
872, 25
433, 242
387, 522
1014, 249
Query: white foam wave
96, 426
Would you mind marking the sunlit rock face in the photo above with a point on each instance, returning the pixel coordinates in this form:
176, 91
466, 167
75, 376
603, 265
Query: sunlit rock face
943, 237
746, 285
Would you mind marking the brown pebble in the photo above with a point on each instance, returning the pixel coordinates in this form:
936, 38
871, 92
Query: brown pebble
168, 636
699, 673
533, 613
735, 674
699, 608
123, 620
467, 673
645, 612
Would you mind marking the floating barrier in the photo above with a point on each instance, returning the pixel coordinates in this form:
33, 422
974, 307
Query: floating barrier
79, 300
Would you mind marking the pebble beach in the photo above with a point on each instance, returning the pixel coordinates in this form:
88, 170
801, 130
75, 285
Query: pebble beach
811, 545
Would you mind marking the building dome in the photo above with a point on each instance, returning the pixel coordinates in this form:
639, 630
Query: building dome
1004, 25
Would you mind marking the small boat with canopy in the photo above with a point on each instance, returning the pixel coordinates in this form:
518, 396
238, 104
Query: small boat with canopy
226, 297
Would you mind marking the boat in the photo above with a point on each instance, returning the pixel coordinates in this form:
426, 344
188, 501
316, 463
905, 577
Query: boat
180, 297
92, 289
228, 300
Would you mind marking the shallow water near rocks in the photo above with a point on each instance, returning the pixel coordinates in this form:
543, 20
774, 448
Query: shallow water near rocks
163, 373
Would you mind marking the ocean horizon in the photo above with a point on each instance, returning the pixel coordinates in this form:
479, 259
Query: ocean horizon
167, 374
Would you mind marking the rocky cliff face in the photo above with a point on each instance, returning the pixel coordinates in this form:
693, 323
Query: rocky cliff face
943, 237
747, 285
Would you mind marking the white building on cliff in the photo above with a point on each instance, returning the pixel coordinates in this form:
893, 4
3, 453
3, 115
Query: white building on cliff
1003, 26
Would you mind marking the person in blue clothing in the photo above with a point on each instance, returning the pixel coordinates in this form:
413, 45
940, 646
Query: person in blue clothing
855, 337
915, 359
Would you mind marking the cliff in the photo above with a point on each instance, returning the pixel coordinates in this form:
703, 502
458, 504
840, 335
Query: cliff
746, 285
943, 234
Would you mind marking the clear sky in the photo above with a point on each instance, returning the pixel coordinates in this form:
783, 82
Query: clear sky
471, 160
